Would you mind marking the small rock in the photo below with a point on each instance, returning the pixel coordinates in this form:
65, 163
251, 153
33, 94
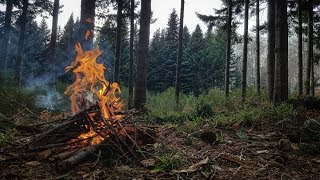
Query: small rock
284, 145
208, 137
33, 163
148, 163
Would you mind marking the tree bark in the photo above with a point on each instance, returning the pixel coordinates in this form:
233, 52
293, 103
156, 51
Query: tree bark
116, 75
271, 46
228, 53
87, 15
144, 33
281, 53
179, 59
19, 61
312, 90
310, 49
131, 64
6, 36
300, 60
258, 47
53, 41
245, 52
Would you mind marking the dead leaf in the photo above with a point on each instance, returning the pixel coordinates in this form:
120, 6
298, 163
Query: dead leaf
193, 167
148, 163
295, 146
33, 163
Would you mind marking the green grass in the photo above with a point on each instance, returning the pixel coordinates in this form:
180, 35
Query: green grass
167, 161
213, 106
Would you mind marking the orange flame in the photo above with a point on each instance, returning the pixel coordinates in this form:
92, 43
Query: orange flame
91, 87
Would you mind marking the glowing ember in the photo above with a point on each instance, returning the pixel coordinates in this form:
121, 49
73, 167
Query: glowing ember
91, 87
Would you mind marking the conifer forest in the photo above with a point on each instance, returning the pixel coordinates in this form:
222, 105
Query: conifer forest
159, 89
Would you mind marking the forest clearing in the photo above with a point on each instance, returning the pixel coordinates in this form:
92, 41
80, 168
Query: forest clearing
109, 97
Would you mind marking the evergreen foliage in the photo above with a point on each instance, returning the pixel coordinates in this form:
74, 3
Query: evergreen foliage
202, 63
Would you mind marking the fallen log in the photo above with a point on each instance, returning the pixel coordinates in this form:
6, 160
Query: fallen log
76, 159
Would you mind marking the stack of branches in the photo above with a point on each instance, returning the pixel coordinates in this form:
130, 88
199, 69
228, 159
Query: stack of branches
59, 142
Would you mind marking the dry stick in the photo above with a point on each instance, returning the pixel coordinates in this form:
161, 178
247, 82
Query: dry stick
117, 135
125, 131
50, 122
59, 126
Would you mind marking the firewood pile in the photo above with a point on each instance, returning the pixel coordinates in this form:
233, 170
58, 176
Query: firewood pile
98, 124
86, 135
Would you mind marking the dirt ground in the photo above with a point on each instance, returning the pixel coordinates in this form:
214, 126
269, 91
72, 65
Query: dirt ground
263, 150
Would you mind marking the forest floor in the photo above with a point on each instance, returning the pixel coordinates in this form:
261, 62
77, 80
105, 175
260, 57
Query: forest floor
261, 149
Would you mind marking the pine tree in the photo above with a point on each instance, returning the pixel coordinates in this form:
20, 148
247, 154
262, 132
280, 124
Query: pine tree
186, 68
281, 53
19, 60
87, 16
179, 58
116, 72
141, 80
271, 46
245, 52
6, 35
172, 49
196, 53
54, 29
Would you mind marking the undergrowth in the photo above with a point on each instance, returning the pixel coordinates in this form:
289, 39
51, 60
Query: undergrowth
213, 106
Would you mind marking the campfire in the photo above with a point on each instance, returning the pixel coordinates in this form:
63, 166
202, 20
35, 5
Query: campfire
98, 122
91, 87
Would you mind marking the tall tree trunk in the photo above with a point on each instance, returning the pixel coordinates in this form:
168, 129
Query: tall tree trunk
6, 36
179, 59
245, 52
53, 41
271, 45
87, 15
312, 90
300, 61
19, 61
281, 53
310, 49
258, 46
228, 53
144, 33
116, 75
131, 64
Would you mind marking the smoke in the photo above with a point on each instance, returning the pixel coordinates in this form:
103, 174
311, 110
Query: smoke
51, 100
48, 95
